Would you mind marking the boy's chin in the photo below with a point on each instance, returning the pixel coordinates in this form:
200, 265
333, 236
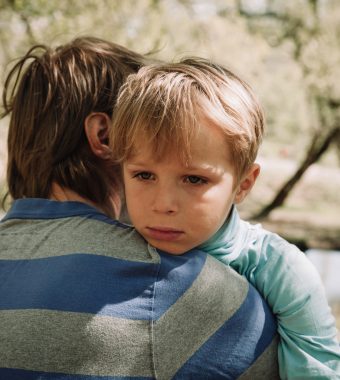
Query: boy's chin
174, 251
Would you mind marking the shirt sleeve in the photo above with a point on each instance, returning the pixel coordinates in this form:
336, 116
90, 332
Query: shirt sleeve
291, 285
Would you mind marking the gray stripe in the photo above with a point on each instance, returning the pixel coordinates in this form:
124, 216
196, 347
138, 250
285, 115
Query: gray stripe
266, 366
75, 343
48, 238
213, 298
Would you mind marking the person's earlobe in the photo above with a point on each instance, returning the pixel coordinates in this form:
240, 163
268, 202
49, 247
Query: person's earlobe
247, 183
97, 127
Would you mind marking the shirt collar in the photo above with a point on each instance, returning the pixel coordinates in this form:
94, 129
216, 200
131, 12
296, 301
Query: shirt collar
38, 208
224, 240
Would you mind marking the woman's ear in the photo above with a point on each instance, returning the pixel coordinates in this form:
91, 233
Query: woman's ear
247, 182
97, 127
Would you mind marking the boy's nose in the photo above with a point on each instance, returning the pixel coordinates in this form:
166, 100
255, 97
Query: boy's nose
165, 201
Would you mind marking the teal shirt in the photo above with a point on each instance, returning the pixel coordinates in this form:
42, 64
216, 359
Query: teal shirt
308, 348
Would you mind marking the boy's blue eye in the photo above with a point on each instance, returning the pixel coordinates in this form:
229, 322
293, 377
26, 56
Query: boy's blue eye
143, 175
195, 180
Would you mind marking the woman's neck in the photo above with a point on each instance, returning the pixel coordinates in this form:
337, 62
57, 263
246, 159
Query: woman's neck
63, 194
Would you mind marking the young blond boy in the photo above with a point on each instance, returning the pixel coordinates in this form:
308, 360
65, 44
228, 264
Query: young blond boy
187, 135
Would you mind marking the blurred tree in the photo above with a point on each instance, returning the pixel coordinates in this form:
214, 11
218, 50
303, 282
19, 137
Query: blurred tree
173, 28
312, 29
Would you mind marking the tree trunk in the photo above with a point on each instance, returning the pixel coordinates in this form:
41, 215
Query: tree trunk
317, 148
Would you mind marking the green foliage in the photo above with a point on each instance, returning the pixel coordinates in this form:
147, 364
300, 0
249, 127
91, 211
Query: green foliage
288, 50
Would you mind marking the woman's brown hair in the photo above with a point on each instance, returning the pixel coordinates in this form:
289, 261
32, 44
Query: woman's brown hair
48, 95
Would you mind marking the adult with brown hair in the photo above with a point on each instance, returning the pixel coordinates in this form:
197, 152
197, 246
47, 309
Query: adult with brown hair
83, 296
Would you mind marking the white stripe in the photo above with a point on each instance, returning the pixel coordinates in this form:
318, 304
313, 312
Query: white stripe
47, 238
74, 343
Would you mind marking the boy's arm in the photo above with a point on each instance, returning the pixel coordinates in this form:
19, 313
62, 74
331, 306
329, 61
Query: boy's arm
293, 289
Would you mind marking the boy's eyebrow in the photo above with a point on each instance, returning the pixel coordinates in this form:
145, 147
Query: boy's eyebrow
130, 162
203, 167
189, 167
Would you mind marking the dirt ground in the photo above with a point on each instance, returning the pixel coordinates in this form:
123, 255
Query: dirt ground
311, 212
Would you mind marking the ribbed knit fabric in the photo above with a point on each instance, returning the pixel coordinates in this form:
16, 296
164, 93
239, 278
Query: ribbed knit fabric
84, 297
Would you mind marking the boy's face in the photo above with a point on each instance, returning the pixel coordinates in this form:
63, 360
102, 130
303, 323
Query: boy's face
174, 206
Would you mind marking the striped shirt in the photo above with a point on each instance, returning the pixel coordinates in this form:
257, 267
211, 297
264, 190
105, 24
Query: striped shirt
84, 297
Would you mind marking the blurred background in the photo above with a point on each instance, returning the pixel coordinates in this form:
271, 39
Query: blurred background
288, 50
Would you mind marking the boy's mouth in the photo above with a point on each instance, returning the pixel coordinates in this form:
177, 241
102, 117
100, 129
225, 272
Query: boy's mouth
164, 233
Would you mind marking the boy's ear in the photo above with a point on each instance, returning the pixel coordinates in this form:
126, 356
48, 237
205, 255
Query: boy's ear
97, 127
247, 182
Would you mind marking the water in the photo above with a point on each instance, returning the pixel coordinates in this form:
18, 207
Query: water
328, 265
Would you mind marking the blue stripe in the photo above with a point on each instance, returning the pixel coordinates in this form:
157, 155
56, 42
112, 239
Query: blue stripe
176, 275
79, 283
20, 374
97, 284
36, 208
236, 345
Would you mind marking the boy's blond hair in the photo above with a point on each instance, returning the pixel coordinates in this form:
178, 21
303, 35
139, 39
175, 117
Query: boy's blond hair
163, 104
